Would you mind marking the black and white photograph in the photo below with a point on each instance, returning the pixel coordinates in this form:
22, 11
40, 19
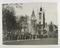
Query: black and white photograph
29, 23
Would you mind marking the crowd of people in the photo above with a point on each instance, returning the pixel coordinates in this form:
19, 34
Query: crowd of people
21, 36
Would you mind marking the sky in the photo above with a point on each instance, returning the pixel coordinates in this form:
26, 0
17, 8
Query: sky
50, 10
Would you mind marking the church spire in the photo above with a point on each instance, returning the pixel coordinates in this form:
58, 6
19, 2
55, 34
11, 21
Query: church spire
40, 8
33, 13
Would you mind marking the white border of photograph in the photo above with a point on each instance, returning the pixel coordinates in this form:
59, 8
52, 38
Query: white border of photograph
29, 46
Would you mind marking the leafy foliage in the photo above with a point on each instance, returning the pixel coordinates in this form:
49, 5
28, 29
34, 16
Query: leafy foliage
9, 21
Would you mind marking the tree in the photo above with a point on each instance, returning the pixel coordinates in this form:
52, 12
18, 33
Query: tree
51, 27
9, 21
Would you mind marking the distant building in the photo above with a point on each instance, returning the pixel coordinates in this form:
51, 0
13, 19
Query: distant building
41, 22
38, 26
52, 30
33, 23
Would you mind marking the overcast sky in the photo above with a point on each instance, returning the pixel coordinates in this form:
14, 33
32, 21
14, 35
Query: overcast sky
49, 8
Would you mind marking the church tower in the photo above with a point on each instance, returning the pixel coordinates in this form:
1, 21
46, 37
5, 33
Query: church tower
42, 17
41, 22
33, 22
